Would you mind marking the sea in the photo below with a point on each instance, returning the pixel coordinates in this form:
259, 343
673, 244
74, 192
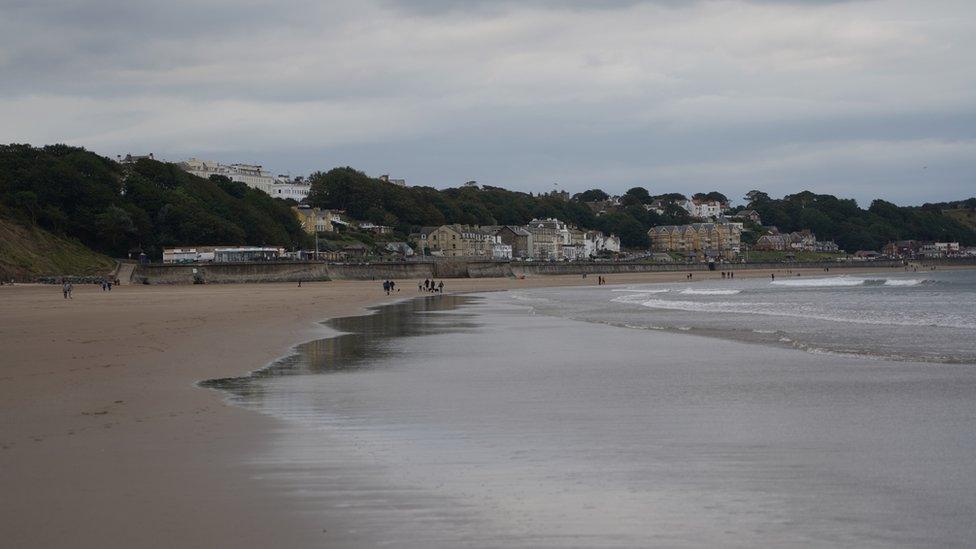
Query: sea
803, 411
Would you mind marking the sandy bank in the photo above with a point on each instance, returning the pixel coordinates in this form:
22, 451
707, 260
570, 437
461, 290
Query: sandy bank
105, 440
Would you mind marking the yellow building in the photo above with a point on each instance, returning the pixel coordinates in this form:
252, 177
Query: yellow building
456, 241
314, 220
714, 239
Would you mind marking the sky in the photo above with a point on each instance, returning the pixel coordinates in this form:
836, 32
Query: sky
861, 99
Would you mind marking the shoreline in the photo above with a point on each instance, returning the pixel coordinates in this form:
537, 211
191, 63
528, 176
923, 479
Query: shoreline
108, 440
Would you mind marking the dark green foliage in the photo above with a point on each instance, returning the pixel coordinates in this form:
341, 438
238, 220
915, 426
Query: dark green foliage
148, 205
592, 195
637, 195
409, 208
714, 195
853, 228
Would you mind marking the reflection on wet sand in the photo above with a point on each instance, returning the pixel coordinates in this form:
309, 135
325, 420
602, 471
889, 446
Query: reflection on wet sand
360, 342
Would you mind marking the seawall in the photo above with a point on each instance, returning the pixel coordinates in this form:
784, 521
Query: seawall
217, 273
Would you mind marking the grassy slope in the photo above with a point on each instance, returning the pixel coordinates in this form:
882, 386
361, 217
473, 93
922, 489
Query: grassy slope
29, 252
966, 217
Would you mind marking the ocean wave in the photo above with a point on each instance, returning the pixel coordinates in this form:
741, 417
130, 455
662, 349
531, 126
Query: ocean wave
657, 291
904, 281
845, 282
690, 291
820, 282
770, 309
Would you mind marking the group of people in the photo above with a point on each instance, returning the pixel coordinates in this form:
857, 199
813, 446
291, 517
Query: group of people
67, 287
389, 287
728, 274
431, 286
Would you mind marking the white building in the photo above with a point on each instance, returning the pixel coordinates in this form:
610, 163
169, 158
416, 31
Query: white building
501, 251
706, 209
252, 175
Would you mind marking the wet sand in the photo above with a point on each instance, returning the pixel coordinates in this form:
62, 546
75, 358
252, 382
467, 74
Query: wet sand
106, 441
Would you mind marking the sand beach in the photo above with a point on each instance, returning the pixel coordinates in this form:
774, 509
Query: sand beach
105, 439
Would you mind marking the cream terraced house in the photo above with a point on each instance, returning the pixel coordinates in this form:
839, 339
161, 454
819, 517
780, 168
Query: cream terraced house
252, 175
717, 239
460, 241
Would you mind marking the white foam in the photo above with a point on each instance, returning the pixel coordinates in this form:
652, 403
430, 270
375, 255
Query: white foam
903, 282
657, 291
801, 311
690, 291
820, 282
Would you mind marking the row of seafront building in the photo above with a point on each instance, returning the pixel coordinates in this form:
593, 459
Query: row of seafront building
540, 239
252, 175
723, 239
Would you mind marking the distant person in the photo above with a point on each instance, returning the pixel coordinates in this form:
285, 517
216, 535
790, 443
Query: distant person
299, 283
420, 286
66, 289
772, 276
392, 286
427, 284
386, 287
440, 287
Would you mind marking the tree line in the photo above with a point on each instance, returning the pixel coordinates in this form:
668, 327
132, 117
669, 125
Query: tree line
854, 228
117, 209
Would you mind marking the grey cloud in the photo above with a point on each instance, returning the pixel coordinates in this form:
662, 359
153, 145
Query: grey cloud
832, 95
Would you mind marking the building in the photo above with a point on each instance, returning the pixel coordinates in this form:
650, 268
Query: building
797, 241
518, 238
196, 254
866, 254
400, 248
374, 228
252, 175
595, 242
296, 189
705, 239
458, 241
397, 182
133, 158
356, 250
749, 215
500, 250
247, 253
314, 220
548, 237
706, 209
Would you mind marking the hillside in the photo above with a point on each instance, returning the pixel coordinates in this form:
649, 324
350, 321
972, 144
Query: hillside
964, 216
26, 253
117, 208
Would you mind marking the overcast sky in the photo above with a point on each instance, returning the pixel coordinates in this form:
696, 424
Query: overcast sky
857, 98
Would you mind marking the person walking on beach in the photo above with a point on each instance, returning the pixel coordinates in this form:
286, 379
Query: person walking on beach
386, 287
440, 287
772, 276
66, 288
392, 286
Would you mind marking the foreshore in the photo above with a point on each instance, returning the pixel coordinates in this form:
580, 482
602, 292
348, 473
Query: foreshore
106, 439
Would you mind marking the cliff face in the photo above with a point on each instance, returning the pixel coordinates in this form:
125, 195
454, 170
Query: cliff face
29, 252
